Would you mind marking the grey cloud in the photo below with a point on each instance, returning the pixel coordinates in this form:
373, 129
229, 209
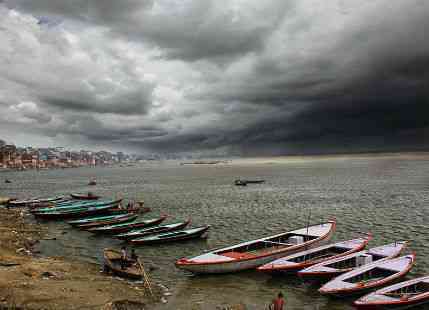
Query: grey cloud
276, 77
189, 30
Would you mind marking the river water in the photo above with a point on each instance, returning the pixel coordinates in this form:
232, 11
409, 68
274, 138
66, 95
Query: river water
385, 195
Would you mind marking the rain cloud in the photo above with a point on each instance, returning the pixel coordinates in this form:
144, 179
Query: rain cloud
225, 77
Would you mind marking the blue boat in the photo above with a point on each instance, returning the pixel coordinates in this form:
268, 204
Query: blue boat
77, 205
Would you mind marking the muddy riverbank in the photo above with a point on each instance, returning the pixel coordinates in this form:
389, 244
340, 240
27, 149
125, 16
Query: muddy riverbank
30, 281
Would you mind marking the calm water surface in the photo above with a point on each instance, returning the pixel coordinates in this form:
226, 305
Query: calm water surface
387, 196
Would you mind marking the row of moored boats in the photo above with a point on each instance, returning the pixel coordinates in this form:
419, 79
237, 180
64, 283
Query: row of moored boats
342, 268
109, 217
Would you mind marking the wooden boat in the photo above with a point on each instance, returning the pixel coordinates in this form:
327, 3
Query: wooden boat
251, 254
89, 196
369, 276
112, 262
24, 203
77, 213
254, 181
124, 227
331, 268
402, 295
7, 181
240, 182
179, 235
152, 230
300, 260
117, 219
50, 204
93, 219
77, 205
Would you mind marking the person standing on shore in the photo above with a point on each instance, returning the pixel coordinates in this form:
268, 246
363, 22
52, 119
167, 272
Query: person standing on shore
278, 303
123, 258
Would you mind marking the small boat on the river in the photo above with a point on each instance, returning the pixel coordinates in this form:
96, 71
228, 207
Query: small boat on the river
300, 260
402, 295
240, 182
89, 196
92, 182
7, 181
125, 227
137, 233
369, 276
113, 263
77, 212
251, 254
24, 203
180, 235
331, 268
116, 219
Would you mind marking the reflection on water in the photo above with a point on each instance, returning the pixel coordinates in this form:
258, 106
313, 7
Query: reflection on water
386, 196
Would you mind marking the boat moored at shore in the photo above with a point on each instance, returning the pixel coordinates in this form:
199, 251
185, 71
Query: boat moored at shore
300, 260
179, 235
251, 254
369, 276
402, 295
324, 271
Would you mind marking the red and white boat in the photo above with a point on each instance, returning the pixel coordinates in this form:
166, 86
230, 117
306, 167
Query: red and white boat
398, 296
251, 254
369, 276
300, 260
331, 268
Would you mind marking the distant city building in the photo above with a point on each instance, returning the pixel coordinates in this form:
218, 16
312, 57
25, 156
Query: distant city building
58, 157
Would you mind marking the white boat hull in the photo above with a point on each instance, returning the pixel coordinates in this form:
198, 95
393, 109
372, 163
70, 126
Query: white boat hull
235, 265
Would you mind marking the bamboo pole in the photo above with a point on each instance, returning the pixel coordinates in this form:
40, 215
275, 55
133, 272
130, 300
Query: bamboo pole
146, 278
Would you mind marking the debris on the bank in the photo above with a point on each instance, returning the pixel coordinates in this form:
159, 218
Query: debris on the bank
9, 264
233, 307
51, 275
124, 305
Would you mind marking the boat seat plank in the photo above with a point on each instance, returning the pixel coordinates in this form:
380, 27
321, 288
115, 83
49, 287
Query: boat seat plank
238, 255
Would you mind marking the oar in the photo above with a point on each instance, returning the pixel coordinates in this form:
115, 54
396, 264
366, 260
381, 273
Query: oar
146, 278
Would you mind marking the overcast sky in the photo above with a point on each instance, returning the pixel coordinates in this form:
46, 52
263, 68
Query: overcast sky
245, 77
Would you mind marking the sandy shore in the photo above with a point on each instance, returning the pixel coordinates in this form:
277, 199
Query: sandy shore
28, 281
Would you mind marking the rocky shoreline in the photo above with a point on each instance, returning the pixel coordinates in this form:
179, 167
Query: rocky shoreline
31, 281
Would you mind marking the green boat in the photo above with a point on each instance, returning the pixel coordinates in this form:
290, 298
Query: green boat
102, 219
78, 205
91, 219
78, 212
23, 203
125, 227
179, 235
137, 233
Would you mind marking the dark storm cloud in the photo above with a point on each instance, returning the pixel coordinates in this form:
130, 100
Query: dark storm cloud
127, 103
249, 77
189, 30
377, 100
